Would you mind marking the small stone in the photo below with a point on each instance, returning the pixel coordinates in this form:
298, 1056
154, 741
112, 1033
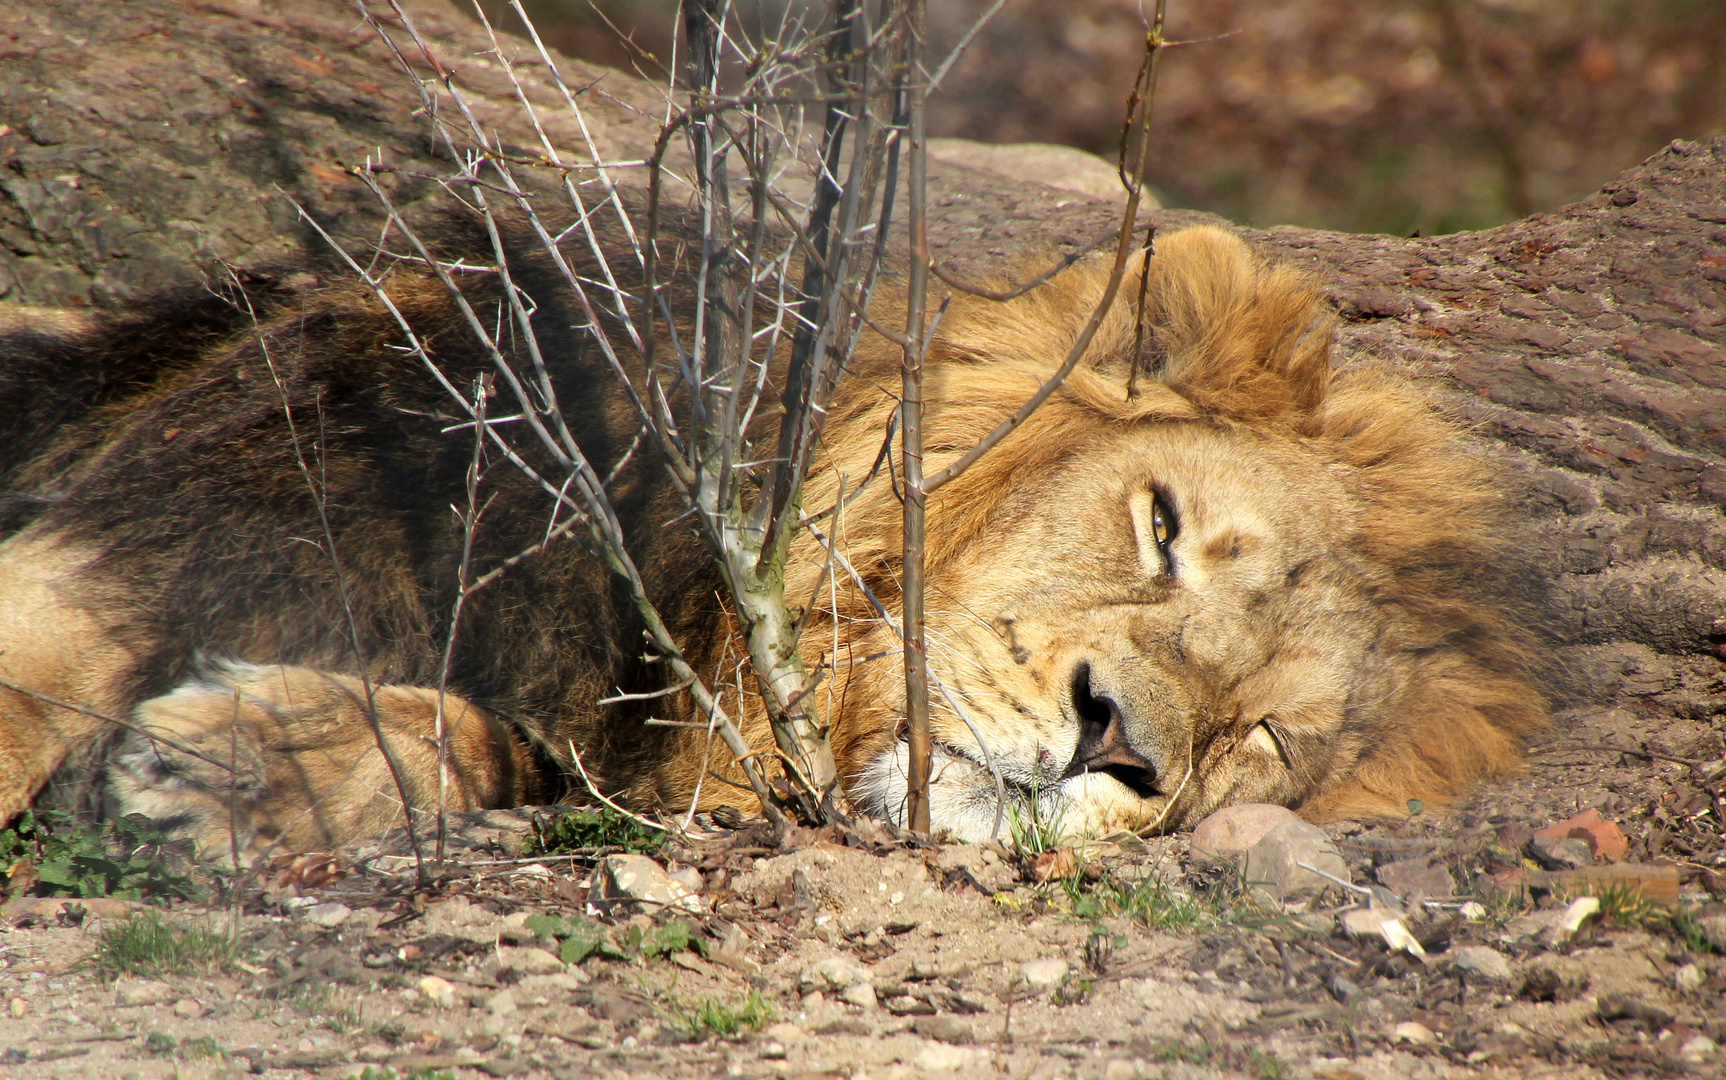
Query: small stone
1415, 880
501, 1003
943, 1057
1481, 962
1272, 866
330, 915
833, 974
526, 959
1698, 1047
1583, 911
437, 991
785, 1032
1689, 977
638, 881
187, 1009
861, 995
948, 1029
1233, 829
1045, 974
773, 1049
1560, 853
1344, 990
1120, 1069
147, 992
1472, 911
19, 1008
1410, 1032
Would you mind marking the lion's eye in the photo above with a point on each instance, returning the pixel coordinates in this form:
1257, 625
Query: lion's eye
1264, 738
1163, 524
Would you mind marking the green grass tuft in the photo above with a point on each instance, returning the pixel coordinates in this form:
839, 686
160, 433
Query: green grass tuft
708, 1017
144, 945
589, 829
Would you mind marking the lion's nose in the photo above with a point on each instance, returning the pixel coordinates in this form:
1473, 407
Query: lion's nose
1104, 743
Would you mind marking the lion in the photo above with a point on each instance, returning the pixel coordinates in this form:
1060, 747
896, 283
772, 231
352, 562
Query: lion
1213, 568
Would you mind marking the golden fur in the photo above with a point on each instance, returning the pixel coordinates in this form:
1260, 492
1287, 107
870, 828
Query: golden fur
1254, 579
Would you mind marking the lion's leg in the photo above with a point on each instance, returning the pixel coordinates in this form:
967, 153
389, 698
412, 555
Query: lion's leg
54, 648
285, 759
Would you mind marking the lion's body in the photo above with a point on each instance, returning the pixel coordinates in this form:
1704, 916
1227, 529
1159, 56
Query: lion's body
1245, 582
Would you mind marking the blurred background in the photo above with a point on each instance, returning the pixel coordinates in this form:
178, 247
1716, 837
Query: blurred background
1360, 115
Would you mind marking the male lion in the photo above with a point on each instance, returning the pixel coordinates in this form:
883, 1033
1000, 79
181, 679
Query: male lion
1247, 578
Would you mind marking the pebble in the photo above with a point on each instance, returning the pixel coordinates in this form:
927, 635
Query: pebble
1045, 974
1410, 1032
638, 881
187, 1009
943, 1057
835, 974
527, 959
1713, 928
19, 1008
948, 1029
1271, 866
436, 990
1689, 977
1561, 852
1120, 1069
1698, 1047
1233, 829
785, 1032
861, 995
1482, 961
331, 914
147, 992
501, 1003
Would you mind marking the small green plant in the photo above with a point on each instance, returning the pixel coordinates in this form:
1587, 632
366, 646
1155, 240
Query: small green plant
1687, 927
159, 1044
144, 945
1032, 831
708, 1017
321, 1003
199, 1049
590, 828
1253, 1062
1149, 900
579, 938
1625, 905
47, 853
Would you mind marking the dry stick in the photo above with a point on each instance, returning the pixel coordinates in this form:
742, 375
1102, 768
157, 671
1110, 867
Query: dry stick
469, 526
1138, 120
920, 742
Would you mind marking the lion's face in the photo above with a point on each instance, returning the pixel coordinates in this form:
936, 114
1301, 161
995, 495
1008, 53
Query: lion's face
1184, 638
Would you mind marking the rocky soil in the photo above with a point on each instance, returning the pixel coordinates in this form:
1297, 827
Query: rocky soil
858, 954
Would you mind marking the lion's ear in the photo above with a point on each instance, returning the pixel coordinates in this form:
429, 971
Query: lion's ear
1232, 335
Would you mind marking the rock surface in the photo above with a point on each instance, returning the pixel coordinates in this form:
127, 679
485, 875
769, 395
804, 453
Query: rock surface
1273, 864
1231, 830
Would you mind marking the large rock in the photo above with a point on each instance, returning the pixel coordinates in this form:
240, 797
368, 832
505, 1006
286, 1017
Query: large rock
1272, 866
1233, 829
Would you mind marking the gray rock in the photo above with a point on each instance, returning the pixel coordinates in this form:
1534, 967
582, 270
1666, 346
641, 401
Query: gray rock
330, 914
1561, 852
1481, 962
834, 974
861, 995
1714, 929
948, 1029
1272, 866
1414, 880
1233, 829
526, 959
1045, 974
149, 992
636, 881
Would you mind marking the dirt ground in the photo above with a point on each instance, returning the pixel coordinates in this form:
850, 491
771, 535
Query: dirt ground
888, 960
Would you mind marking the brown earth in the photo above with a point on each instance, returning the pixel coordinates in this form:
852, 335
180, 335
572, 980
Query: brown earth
142, 142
